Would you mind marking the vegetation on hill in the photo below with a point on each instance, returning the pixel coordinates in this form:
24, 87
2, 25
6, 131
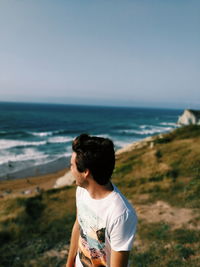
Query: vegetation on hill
161, 178
165, 170
31, 226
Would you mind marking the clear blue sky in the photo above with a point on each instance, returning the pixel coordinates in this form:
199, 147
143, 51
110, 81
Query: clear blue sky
110, 52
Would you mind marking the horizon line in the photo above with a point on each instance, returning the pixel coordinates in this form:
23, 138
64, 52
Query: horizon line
87, 105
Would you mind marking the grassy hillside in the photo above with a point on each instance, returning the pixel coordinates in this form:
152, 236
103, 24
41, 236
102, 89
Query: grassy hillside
161, 178
166, 168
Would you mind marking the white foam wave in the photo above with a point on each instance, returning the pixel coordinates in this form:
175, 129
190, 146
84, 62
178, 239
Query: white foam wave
147, 130
8, 143
155, 130
68, 154
122, 144
169, 124
104, 136
144, 126
26, 154
60, 139
41, 134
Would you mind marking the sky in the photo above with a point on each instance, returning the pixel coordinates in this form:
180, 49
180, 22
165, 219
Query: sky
101, 52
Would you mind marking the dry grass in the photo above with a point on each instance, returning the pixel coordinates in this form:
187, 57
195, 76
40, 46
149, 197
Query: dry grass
17, 186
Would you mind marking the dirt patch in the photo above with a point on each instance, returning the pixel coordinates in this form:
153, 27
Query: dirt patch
53, 253
162, 211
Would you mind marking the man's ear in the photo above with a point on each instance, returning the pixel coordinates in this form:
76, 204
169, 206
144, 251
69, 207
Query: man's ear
86, 173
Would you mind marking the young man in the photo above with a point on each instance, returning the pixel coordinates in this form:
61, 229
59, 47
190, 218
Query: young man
105, 227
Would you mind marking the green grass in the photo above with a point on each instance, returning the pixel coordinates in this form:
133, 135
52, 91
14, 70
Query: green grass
164, 246
185, 132
44, 223
159, 255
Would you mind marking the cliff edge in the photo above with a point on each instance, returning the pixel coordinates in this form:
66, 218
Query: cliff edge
189, 116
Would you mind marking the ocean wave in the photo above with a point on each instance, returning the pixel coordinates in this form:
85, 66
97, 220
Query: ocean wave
146, 130
104, 136
41, 134
3, 133
52, 133
144, 126
169, 124
59, 139
121, 144
28, 134
26, 154
15, 134
8, 143
67, 154
21, 134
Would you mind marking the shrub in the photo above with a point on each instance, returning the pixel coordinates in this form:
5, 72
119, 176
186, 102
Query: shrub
186, 236
184, 252
5, 236
34, 207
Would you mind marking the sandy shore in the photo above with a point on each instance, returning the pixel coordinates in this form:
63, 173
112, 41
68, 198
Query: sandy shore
33, 171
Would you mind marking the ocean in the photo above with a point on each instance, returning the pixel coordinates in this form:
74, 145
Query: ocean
36, 138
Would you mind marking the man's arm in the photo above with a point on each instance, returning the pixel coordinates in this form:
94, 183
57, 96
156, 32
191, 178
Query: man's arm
73, 245
119, 258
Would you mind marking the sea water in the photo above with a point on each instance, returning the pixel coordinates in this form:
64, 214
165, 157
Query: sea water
33, 135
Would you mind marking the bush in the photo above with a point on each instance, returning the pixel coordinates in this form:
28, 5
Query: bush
184, 252
186, 236
34, 207
5, 236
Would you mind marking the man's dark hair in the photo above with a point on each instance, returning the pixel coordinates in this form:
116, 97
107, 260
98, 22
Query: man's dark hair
96, 154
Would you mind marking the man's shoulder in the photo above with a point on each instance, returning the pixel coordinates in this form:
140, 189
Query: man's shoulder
120, 205
80, 192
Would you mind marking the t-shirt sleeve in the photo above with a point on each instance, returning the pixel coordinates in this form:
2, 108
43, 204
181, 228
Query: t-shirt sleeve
123, 232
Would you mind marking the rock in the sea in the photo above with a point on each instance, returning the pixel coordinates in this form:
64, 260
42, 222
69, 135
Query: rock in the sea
189, 116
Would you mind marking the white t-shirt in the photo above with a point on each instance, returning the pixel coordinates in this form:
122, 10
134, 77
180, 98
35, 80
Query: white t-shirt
105, 224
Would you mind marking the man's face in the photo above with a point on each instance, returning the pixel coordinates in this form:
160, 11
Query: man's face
79, 176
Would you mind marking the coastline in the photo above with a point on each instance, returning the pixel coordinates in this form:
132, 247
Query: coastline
53, 175
37, 170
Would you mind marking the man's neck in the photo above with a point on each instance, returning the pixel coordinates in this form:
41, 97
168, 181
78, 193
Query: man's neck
97, 191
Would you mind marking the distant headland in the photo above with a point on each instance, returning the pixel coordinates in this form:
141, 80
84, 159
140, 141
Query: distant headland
189, 116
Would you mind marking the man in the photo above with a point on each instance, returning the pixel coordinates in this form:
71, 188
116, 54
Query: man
105, 227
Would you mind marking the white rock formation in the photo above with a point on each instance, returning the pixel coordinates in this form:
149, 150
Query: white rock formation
67, 179
189, 117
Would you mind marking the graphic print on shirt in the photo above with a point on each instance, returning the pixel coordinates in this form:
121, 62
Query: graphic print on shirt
92, 238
